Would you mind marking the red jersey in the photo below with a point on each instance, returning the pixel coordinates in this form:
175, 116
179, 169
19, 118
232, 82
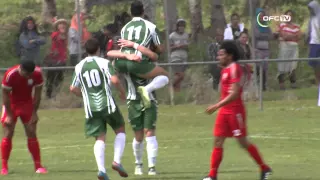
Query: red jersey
21, 87
229, 75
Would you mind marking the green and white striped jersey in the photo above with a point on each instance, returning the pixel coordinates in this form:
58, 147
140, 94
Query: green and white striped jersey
132, 84
93, 75
142, 32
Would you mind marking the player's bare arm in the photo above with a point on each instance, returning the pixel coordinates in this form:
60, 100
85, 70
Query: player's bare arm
119, 54
76, 91
36, 103
7, 105
234, 93
116, 82
145, 51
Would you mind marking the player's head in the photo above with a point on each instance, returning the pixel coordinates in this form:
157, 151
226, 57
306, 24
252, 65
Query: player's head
228, 53
181, 25
92, 46
137, 9
27, 68
109, 30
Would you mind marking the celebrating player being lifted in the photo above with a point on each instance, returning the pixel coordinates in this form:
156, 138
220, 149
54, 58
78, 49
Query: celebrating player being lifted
92, 79
144, 33
143, 120
231, 119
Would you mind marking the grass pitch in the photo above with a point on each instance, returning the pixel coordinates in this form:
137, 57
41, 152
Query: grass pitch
287, 133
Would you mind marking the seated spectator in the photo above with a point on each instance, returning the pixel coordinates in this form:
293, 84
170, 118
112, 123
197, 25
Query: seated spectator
233, 30
179, 42
289, 35
73, 38
212, 52
30, 41
57, 56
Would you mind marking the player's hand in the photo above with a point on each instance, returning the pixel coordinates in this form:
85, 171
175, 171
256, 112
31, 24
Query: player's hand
133, 57
211, 109
125, 43
32, 41
34, 118
9, 120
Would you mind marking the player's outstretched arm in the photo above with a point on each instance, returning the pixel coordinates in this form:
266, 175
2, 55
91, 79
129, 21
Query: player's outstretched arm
121, 55
234, 93
75, 86
145, 51
76, 91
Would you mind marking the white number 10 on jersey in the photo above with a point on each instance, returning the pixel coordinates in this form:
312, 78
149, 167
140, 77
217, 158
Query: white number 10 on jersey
92, 78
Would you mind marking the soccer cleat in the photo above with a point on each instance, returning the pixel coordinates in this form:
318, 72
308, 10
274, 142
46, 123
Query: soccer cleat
41, 170
118, 167
144, 96
102, 176
152, 171
209, 178
266, 174
138, 170
4, 172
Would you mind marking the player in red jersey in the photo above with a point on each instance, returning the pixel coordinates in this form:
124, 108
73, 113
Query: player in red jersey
17, 86
231, 118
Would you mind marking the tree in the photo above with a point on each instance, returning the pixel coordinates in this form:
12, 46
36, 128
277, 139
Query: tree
196, 18
172, 15
49, 11
218, 19
150, 9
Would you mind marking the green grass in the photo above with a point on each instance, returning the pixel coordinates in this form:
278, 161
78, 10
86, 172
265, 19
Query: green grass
286, 132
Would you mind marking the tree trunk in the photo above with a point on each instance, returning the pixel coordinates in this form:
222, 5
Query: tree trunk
49, 11
218, 19
150, 9
172, 15
196, 18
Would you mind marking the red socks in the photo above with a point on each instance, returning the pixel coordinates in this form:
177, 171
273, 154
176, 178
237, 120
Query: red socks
6, 146
216, 158
254, 153
34, 149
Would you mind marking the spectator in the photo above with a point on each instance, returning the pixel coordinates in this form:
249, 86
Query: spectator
73, 38
213, 49
314, 37
289, 35
233, 30
262, 49
57, 56
30, 41
179, 42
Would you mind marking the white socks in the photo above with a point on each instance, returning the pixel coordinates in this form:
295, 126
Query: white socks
137, 150
152, 150
119, 144
98, 149
157, 83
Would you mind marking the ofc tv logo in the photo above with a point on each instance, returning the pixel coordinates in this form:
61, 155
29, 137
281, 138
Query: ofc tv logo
281, 18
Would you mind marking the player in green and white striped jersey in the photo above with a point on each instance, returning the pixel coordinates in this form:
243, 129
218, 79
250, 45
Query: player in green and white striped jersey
143, 120
92, 80
142, 33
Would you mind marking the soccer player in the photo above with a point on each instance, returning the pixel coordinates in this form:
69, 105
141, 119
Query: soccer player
17, 86
143, 120
231, 118
142, 32
92, 80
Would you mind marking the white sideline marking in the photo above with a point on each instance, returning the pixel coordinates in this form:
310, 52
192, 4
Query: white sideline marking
178, 140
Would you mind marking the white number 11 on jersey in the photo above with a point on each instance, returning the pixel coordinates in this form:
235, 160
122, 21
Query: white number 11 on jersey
136, 30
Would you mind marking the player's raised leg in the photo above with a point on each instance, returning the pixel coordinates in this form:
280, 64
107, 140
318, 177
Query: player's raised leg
138, 148
8, 125
256, 156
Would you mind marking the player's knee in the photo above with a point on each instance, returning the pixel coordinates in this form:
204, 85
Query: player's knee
243, 142
120, 130
101, 137
149, 132
139, 136
218, 142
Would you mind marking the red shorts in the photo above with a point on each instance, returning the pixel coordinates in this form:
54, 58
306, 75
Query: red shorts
24, 112
231, 125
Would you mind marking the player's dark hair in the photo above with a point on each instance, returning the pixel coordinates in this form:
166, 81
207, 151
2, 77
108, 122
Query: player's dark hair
137, 9
231, 48
92, 46
28, 66
111, 28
